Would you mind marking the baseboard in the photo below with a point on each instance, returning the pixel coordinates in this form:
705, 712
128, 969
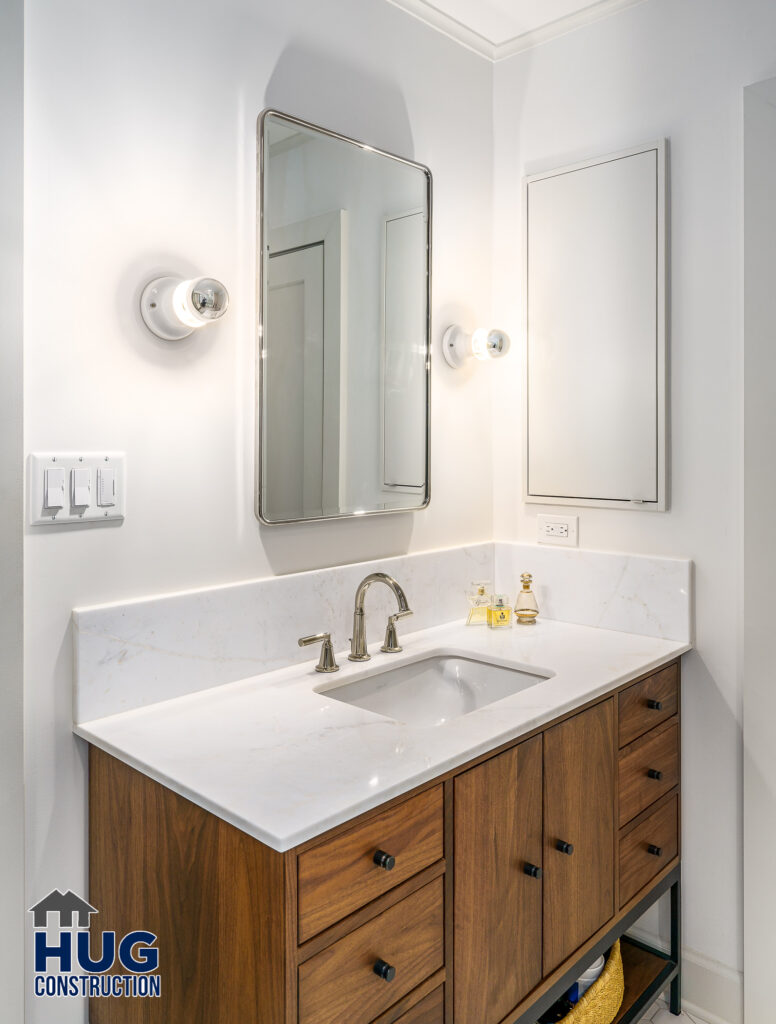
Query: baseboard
710, 990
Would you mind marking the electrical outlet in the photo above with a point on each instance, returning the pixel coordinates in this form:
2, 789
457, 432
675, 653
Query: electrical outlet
558, 530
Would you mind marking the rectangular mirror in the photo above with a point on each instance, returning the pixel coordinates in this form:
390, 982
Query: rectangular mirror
596, 332
345, 248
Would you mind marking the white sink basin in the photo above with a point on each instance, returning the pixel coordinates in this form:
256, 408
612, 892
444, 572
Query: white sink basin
434, 690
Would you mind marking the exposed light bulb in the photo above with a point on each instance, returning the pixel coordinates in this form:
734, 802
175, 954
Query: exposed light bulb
484, 343
173, 308
480, 343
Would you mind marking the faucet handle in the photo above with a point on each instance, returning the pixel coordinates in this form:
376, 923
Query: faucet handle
391, 643
326, 662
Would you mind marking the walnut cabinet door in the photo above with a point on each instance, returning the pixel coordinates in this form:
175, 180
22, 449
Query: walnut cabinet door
498, 884
579, 830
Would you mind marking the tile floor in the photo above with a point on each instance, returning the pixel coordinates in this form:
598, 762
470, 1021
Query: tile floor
658, 1014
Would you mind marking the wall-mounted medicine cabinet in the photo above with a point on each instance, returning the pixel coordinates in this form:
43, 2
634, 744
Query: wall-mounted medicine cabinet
595, 386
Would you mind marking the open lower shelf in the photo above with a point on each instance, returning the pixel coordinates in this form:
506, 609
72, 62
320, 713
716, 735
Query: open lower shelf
647, 972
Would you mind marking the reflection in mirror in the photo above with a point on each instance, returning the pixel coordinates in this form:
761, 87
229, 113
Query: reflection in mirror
344, 326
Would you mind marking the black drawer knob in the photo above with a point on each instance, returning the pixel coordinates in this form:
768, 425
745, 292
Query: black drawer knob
384, 860
384, 970
655, 705
656, 851
653, 773
532, 870
564, 847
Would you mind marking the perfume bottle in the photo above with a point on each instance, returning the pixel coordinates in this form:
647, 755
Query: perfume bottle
499, 612
479, 599
526, 608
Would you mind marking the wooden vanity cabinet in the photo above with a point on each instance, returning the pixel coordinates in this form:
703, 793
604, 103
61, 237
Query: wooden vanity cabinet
467, 901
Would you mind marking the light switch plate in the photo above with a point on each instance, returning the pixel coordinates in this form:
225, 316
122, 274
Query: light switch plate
558, 530
40, 514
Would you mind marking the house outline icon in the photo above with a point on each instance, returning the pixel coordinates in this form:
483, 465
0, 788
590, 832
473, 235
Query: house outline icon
66, 904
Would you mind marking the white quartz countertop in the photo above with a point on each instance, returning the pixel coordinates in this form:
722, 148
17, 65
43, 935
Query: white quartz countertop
284, 763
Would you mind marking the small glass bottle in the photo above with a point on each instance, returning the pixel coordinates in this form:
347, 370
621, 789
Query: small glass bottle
479, 599
526, 608
499, 612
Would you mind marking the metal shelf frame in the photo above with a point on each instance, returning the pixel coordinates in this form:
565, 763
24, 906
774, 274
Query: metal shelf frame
669, 976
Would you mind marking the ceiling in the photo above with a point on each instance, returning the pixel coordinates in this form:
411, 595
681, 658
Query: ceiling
500, 28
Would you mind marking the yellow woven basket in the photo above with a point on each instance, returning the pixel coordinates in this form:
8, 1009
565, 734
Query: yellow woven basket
599, 1005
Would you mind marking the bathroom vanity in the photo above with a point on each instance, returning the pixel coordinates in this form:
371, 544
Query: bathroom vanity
476, 896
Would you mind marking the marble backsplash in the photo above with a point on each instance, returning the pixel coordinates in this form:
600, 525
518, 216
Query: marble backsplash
639, 594
150, 650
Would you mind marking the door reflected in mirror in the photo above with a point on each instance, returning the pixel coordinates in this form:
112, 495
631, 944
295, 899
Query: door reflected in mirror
344, 235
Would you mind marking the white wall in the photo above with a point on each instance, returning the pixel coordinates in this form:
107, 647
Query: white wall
759, 547
140, 153
675, 69
11, 734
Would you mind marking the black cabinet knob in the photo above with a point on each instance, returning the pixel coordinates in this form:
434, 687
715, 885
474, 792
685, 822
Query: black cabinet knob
384, 860
532, 870
656, 851
384, 970
655, 705
564, 847
653, 773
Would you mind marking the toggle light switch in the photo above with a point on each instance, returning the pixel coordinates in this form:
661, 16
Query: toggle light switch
106, 487
54, 488
80, 487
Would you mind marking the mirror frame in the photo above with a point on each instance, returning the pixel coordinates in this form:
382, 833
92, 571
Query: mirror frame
260, 339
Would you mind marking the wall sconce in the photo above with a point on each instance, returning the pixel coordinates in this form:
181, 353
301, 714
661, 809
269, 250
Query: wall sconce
173, 308
484, 343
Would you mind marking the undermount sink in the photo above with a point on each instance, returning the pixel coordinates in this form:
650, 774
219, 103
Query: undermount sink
434, 690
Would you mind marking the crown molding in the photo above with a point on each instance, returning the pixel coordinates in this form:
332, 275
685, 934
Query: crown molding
448, 26
561, 27
465, 36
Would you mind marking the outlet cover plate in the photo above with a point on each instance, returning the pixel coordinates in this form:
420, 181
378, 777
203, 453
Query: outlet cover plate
562, 530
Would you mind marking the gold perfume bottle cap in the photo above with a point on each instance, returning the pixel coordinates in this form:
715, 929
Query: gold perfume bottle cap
527, 579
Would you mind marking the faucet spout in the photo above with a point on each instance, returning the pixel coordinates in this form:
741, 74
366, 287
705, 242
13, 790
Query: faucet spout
358, 651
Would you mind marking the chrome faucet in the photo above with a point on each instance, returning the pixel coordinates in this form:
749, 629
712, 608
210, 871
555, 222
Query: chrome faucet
358, 651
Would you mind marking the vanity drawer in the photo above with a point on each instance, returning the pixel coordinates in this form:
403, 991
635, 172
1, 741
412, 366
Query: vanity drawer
648, 703
430, 1010
340, 984
646, 850
649, 767
341, 875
